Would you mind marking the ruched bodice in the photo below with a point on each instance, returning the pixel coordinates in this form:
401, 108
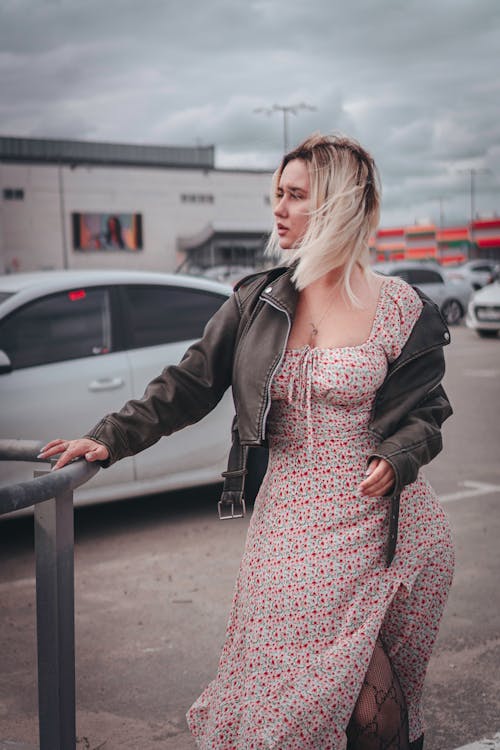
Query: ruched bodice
333, 388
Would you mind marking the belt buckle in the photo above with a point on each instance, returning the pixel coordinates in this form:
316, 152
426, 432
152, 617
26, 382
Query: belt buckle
228, 516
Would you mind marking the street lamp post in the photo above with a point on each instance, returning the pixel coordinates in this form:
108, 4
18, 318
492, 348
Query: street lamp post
62, 215
473, 172
286, 109
441, 200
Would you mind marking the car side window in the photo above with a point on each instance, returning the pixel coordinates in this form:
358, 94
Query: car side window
402, 273
424, 276
162, 315
59, 327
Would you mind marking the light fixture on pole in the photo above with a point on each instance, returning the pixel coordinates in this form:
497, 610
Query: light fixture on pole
286, 109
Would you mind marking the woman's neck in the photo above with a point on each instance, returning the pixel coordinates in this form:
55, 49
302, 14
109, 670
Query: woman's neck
333, 278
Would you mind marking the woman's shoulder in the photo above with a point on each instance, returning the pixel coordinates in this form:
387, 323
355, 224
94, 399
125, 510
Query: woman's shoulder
401, 296
260, 277
251, 285
401, 306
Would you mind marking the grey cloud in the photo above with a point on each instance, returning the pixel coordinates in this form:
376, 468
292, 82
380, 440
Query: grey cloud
415, 81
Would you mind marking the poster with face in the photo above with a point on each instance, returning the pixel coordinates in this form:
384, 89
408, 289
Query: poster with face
107, 231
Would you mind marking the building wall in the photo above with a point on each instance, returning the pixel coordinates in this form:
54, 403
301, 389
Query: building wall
31, 236
451, 245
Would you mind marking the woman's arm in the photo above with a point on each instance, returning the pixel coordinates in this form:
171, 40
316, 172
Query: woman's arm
411, 405
180, 396
416, 440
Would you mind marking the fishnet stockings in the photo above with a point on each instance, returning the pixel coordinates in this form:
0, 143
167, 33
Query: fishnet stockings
380, 718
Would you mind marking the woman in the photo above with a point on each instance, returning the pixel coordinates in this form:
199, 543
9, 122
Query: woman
114, 235
338, 371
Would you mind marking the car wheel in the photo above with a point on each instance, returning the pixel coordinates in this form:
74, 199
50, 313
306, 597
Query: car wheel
486, 333
452, 311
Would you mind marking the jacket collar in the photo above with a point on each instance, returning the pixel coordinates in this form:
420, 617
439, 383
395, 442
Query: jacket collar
281, 291
430, 332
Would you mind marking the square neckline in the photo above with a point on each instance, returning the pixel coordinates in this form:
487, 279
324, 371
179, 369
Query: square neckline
378, 307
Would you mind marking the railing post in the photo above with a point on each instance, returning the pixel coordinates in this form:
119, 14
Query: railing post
54, 551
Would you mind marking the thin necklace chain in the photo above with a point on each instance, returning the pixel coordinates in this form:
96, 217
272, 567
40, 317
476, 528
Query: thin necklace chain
315, 326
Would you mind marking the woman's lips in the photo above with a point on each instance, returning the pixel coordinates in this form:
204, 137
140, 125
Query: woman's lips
281, 229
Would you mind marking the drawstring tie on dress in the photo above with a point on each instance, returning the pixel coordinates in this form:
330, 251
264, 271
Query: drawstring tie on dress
300, 388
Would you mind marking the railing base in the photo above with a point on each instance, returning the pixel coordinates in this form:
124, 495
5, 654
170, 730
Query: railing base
54, 550
52, 495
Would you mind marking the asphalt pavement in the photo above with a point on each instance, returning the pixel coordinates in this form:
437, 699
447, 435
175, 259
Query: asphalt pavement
154, 581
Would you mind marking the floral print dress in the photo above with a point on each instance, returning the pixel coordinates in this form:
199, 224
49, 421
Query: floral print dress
313, 591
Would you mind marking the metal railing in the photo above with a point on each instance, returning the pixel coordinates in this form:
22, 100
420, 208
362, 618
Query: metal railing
51, 493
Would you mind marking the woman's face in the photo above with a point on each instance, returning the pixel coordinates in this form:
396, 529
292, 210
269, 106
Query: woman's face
291, 211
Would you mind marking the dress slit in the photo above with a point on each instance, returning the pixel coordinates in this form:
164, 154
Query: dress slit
380, 717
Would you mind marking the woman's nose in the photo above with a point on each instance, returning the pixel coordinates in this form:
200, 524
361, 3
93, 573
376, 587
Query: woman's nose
280, 207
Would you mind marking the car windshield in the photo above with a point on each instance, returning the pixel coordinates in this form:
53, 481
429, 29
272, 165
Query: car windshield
4, 296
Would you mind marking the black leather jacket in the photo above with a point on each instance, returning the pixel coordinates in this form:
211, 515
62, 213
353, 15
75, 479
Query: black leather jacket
242, 346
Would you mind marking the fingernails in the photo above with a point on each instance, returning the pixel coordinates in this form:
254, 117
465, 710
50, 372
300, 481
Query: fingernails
40, 455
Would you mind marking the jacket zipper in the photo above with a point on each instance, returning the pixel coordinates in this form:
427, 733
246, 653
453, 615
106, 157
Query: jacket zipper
278, 363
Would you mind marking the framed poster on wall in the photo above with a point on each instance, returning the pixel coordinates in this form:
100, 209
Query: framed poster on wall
107, 231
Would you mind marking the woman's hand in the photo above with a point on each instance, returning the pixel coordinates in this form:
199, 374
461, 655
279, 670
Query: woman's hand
379, 480
71, 449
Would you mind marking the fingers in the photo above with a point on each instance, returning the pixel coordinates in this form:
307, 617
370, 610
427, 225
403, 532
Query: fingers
69, 450
99, 453
55, 446
380, 479
74, 450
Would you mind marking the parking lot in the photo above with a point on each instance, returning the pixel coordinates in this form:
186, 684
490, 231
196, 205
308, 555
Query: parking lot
154, 580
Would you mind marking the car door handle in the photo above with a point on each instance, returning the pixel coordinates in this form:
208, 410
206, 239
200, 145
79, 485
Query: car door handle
106, 384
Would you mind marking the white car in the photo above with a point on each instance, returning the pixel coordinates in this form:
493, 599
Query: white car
483, 313
479, 272
75, 345
451, 295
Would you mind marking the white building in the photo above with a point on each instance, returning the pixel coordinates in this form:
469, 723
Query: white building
75, 204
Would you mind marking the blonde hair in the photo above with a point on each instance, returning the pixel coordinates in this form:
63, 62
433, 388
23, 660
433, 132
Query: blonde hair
345, 199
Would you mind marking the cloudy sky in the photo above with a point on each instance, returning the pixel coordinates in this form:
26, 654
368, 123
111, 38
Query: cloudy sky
416, 81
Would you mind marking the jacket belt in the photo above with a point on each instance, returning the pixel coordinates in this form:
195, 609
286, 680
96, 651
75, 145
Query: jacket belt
232, 502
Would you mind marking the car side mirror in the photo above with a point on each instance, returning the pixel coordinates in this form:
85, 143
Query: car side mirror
5, 363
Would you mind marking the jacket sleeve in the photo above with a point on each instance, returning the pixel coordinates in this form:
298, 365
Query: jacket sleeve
411, 404
180, 396
416, 440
